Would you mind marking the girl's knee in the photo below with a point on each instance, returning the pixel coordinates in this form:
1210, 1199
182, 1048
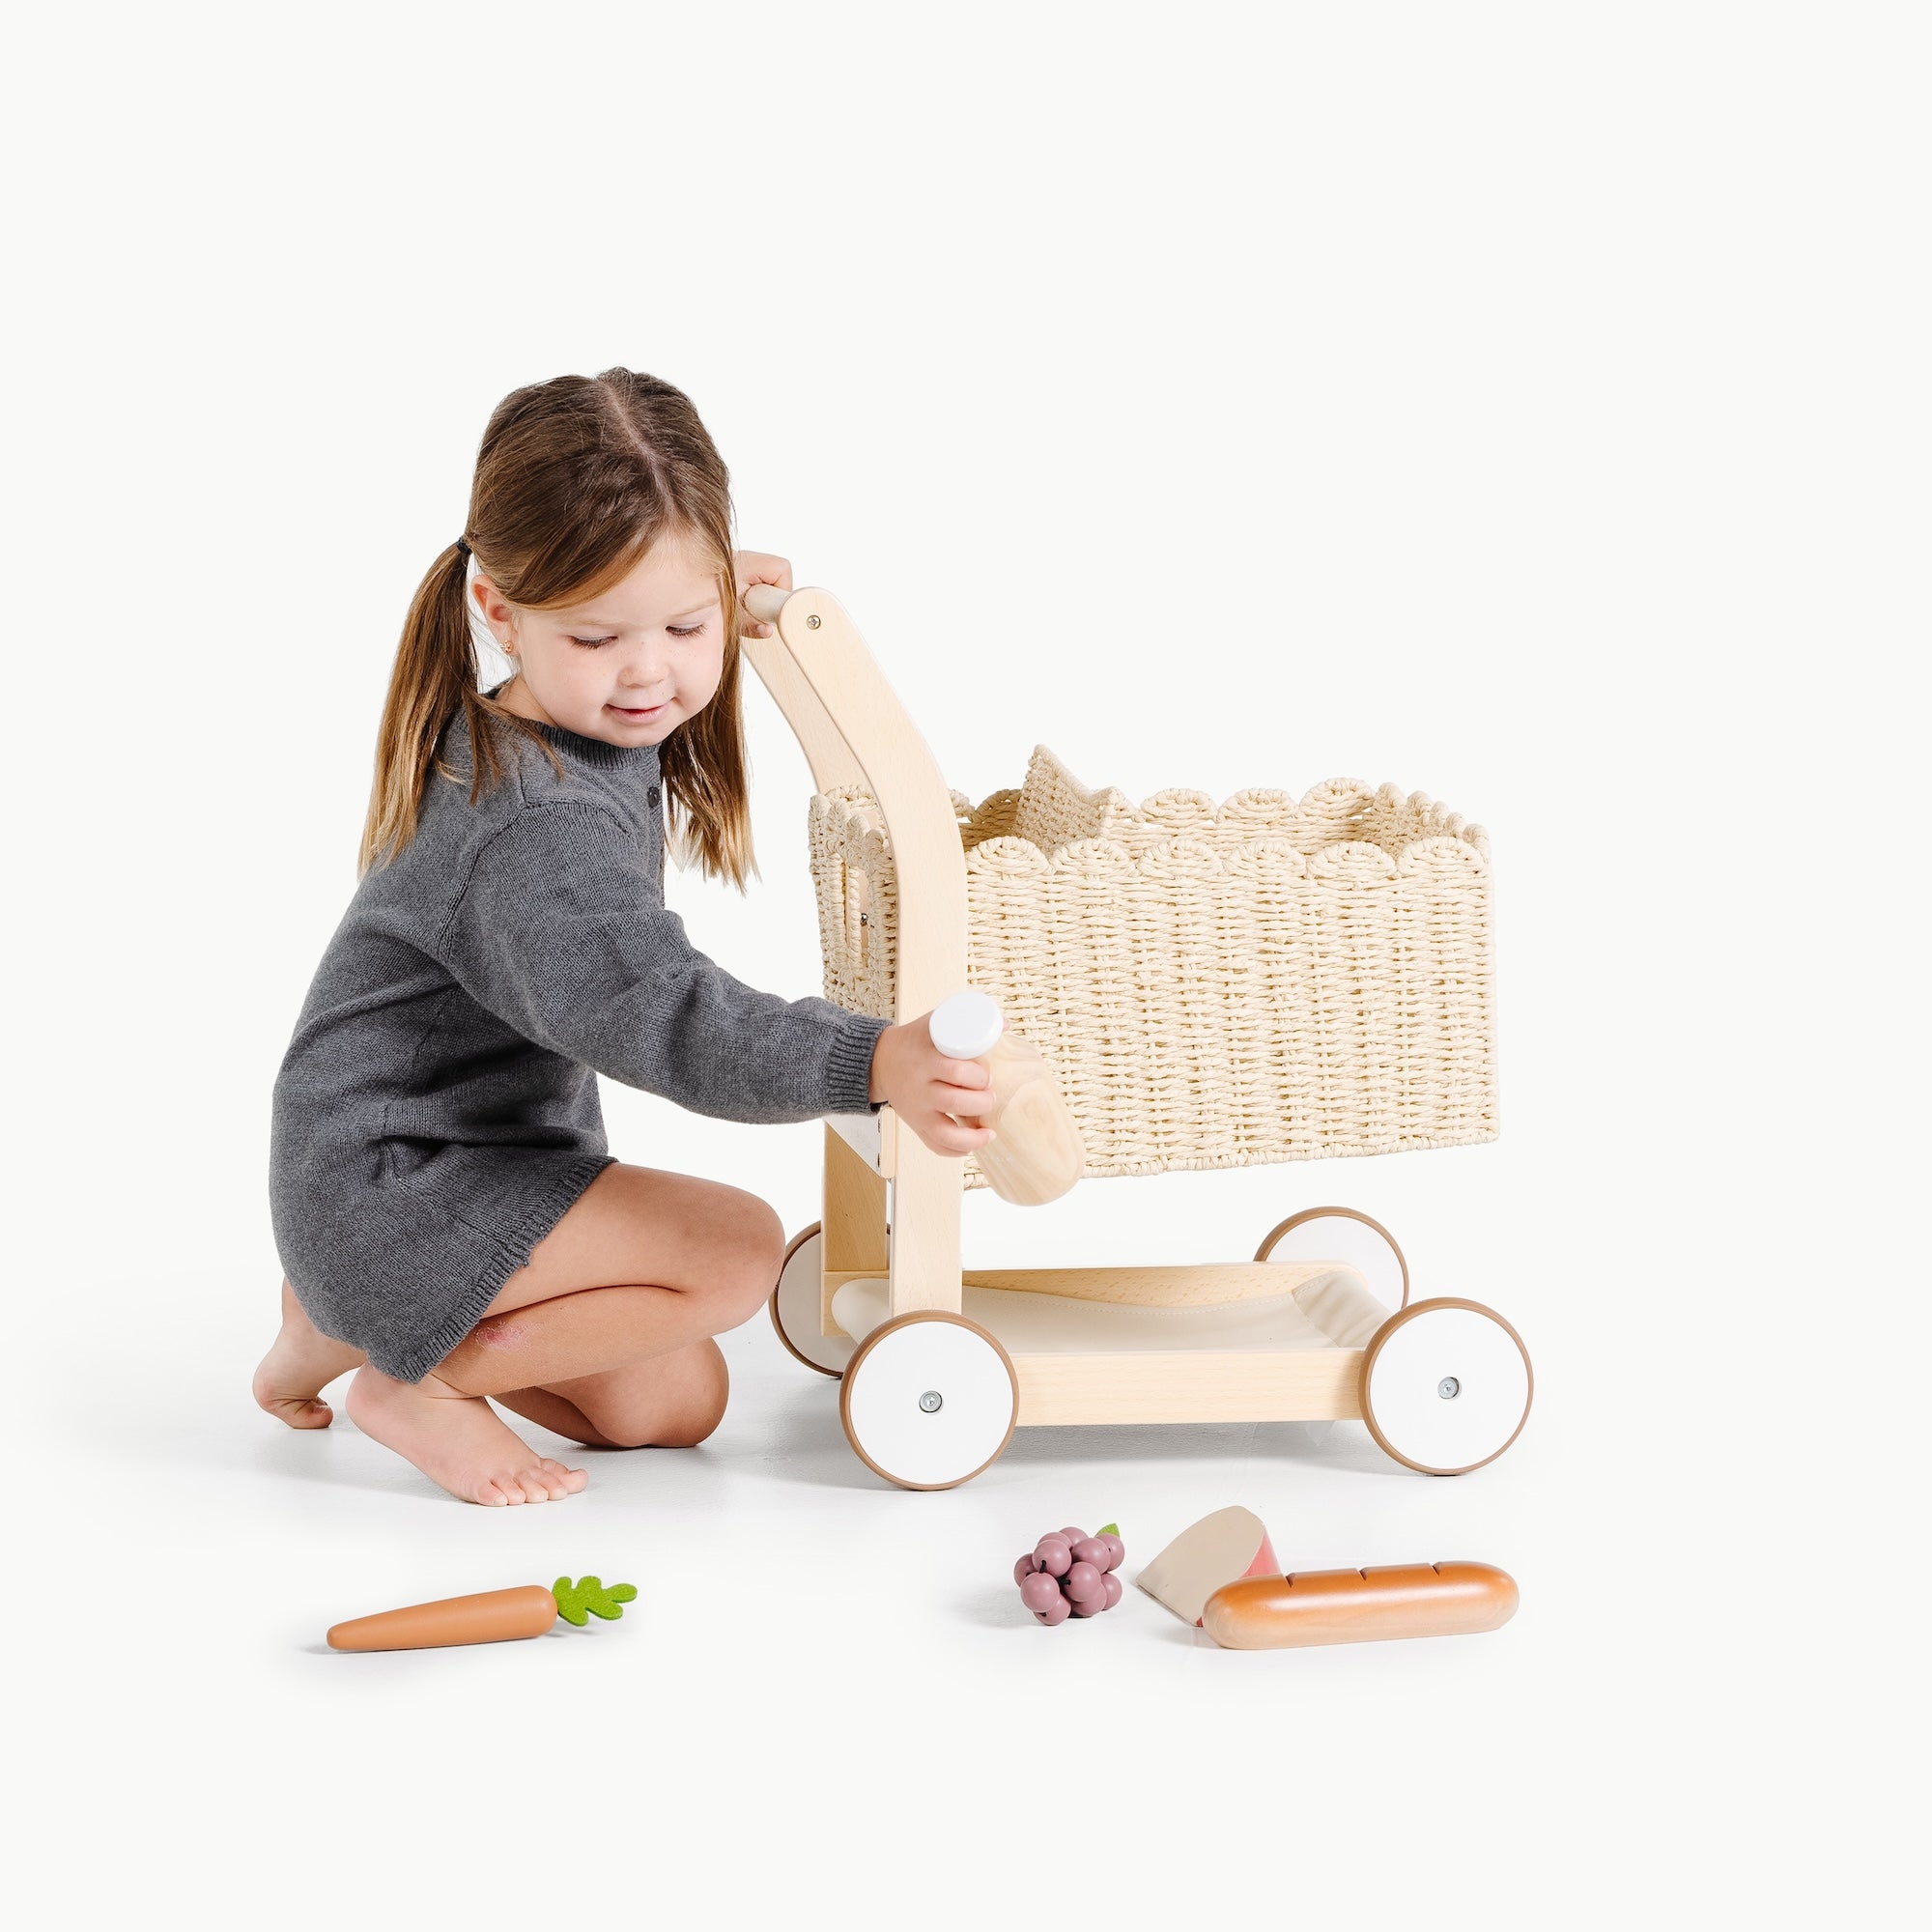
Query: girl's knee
760, 1234
675, 1409
691, 1423
705, 1393
750, 1260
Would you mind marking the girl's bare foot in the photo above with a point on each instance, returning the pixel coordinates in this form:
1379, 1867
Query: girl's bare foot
302, 1364
457, 1441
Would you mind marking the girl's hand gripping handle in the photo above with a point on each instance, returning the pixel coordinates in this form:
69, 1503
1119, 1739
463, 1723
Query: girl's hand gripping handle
764, 583
925, 1088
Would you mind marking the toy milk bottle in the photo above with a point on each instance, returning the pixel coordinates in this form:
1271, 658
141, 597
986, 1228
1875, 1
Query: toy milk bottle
1037, 1154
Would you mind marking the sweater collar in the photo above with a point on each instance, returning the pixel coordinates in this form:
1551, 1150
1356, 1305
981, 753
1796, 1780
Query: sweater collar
594, 750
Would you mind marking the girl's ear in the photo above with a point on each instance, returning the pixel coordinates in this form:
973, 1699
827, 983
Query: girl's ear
494, 611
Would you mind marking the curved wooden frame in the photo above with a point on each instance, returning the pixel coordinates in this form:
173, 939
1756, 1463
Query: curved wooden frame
853, 730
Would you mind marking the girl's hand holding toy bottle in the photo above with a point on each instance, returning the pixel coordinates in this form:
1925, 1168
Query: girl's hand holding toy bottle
962, 1060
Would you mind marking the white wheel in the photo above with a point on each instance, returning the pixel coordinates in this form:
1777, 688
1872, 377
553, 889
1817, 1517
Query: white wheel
1446, 1386
794, 1306
928, 1401
1342, 1235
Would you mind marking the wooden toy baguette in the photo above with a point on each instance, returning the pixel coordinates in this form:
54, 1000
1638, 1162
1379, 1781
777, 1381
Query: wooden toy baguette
1359, 1606
492, 1616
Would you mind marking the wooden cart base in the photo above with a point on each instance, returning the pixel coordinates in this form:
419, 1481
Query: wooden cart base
1247, 1341
1444, 1386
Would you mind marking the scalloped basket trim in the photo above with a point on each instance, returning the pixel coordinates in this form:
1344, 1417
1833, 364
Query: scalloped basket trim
1248, 823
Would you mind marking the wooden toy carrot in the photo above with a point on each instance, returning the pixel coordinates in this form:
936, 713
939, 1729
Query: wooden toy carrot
492, 1616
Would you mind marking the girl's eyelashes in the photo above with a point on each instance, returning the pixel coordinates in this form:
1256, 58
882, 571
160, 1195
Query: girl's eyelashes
687, 630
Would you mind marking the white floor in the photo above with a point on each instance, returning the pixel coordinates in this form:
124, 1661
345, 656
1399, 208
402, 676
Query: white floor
827, 1692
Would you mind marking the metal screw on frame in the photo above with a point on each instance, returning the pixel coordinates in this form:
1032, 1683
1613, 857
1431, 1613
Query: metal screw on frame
811, 622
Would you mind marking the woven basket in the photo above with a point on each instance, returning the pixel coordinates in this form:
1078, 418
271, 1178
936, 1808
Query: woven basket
1273, 979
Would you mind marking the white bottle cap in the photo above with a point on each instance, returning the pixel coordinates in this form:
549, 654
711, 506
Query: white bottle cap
966, 1026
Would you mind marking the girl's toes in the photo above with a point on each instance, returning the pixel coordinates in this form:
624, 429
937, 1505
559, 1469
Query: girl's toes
531, 1486
299, 1412
563, 1481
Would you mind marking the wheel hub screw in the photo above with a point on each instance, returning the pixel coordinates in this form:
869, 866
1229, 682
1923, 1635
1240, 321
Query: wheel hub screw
1448, 1389
932, 1402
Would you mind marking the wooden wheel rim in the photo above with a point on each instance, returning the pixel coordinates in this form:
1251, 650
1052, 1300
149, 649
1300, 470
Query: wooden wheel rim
791, 1348
1373, 1354
897, 1328
1281, 1228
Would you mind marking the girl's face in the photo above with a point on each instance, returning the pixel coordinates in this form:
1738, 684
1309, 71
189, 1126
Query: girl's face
628, 665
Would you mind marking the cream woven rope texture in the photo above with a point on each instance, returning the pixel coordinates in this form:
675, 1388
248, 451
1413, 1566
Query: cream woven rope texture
1273, 978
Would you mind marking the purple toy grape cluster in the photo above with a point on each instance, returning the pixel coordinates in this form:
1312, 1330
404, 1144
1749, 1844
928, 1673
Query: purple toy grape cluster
1070, 1574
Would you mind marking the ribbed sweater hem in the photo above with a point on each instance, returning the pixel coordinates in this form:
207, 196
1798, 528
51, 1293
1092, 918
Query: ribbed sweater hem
512, 1252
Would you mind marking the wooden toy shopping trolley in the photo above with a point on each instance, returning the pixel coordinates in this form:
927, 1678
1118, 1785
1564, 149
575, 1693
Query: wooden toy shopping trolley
1273, 979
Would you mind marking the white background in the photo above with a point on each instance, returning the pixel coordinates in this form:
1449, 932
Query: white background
1524, 403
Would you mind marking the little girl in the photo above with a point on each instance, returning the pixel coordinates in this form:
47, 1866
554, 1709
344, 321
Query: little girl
446, 1215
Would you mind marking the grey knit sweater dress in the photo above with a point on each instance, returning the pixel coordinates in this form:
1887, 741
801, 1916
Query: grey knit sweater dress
436, 1110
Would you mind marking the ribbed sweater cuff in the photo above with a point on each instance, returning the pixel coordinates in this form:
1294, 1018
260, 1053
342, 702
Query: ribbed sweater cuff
851, 1069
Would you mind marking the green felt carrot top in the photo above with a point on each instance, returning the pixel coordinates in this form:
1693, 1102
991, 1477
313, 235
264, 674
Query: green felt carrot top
590, 1597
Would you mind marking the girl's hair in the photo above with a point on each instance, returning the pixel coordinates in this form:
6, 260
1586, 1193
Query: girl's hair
576, 480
